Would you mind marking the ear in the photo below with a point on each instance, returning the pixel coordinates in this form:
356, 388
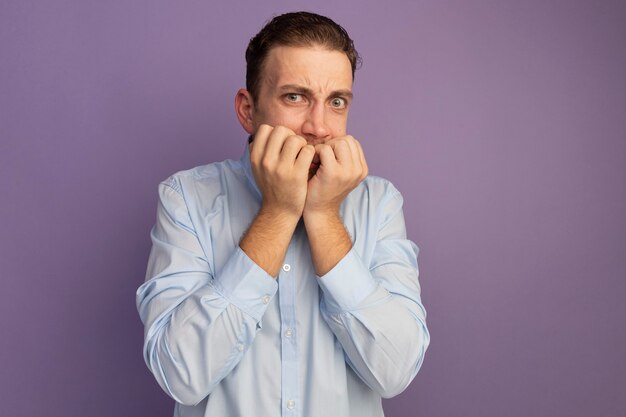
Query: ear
244, 108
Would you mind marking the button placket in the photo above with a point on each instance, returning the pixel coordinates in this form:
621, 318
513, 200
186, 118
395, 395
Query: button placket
289, 350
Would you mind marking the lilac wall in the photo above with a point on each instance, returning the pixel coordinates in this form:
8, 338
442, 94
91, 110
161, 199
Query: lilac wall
503, 123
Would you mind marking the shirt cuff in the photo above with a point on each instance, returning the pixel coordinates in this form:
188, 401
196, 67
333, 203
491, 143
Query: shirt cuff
347, 284
245, 284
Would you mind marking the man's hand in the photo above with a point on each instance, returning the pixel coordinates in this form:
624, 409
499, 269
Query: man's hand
342, 167
280, 162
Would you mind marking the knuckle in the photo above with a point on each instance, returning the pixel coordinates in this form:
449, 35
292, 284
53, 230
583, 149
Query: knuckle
305, 150
283, 130
263, 130
265, 165
296, 140
343, 175
281, 172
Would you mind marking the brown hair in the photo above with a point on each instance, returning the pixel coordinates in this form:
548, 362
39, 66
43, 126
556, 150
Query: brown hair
295, 29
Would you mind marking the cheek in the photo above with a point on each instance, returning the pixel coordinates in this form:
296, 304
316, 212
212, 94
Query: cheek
281, 116
291, 118
337, 123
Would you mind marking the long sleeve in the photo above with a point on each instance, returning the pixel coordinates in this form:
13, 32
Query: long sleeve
199, 319
372, 302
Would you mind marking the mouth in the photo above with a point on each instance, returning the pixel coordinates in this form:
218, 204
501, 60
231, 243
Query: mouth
316, 161
313, 168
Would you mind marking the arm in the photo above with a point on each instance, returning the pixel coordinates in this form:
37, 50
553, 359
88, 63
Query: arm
279, 160
374, 309
342, 168
198, 324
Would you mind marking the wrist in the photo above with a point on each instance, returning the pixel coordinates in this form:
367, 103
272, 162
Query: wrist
328, 239
267, 238
321, 217
282, 216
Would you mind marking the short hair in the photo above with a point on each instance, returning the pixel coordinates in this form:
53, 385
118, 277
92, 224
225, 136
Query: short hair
295, 29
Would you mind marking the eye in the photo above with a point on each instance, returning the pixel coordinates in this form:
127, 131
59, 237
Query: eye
338, 103
294, 98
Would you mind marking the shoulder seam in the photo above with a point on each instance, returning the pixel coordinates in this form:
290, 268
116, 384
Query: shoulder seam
173, 184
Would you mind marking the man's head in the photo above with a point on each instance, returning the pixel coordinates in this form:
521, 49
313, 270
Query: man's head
298, 29
300, 69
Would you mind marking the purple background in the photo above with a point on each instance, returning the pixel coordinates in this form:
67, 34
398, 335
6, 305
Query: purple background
503, 124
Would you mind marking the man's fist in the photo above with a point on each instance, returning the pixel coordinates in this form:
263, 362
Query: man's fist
341, 168
280, 162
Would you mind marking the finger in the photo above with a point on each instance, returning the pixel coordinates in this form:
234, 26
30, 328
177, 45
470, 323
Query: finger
331, 142
343, 153
257, 147
292, 145
327, 155
305, 158
275, 143
354, 152
364, 166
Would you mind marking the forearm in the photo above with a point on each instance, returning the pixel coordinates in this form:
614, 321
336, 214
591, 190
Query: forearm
280, 160
328, 239
342, 167
268, 237
386, 357
201, 343
198, 328
380, 324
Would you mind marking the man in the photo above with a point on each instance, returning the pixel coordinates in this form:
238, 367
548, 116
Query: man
282, 284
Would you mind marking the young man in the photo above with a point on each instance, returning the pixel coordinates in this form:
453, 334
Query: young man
283, 284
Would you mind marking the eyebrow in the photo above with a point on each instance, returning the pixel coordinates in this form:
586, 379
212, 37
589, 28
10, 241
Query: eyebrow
294, 88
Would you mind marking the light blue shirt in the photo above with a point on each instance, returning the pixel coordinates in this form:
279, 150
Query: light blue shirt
225, 339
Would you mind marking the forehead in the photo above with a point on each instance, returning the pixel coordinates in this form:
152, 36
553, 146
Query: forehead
311, 66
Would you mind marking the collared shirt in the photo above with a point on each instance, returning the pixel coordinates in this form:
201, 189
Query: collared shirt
223, 338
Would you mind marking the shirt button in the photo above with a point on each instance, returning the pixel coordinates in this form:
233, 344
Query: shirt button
286, 267
289, 332
265, 299
240, 347
291, 404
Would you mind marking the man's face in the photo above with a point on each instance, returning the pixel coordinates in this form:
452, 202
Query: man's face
307, 89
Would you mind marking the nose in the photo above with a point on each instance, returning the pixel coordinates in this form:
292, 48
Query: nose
315, 123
